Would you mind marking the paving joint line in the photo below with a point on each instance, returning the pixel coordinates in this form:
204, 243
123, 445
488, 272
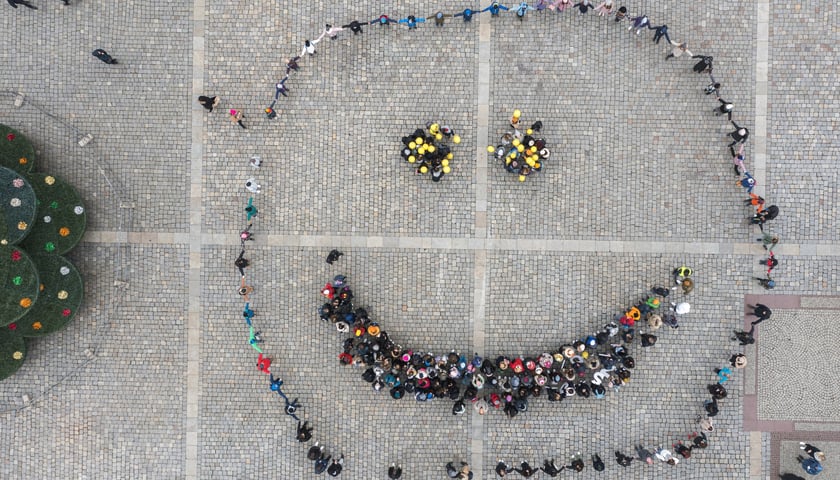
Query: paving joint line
194, 240
759, 162
462, 243
481, 232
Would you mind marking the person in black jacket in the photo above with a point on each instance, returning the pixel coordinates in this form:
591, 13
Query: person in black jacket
623, 459
704, 65
336, 466
525, 470
15, 3
597, 463
551, 469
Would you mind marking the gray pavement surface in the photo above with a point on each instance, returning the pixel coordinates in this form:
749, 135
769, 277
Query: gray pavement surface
798, 393
639, 182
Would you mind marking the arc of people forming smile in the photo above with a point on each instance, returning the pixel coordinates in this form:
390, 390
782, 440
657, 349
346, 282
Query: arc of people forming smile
602, 362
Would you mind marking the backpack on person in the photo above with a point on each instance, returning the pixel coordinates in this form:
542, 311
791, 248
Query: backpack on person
711, 408
718, 391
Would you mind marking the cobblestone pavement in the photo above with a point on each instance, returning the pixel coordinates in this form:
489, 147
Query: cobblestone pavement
639, 182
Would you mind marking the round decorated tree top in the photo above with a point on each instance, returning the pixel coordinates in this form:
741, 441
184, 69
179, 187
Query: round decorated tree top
15, 150
17, 205
61, 292
60, 218
12, 351
20, 284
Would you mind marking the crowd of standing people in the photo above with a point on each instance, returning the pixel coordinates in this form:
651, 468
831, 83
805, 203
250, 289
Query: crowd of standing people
521, 153
586, 367
429, 149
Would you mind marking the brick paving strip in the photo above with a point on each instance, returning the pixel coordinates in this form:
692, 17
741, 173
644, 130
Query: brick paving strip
759, 163
804, 425
195, 242
478, 432
472, 243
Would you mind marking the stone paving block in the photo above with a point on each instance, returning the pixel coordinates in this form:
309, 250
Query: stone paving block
122, 414
637, 156
334, 149
797, 393
803, 116
665, 154
422, 299
789, 451
137, 111
537, 303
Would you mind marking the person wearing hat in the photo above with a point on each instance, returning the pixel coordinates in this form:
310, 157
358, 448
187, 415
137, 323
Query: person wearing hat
440, 18
738, 360
654, 321
681, 273
494, 9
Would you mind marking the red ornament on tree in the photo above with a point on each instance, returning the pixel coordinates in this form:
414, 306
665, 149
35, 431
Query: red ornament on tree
10, 137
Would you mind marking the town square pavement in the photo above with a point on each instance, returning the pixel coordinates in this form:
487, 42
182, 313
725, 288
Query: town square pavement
155, 377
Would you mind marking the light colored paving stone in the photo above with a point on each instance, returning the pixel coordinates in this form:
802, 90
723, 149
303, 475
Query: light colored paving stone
638, 182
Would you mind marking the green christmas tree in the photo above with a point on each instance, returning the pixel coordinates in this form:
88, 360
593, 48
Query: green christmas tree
43, 218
